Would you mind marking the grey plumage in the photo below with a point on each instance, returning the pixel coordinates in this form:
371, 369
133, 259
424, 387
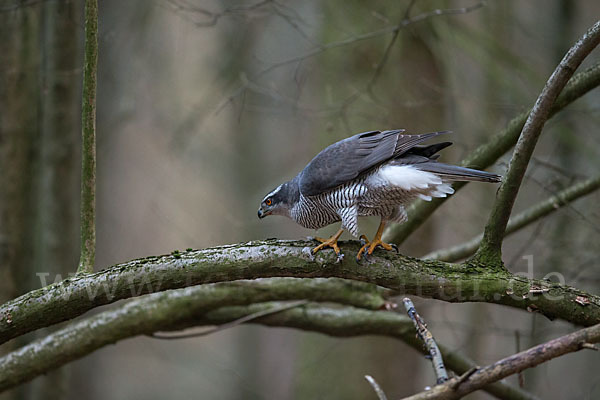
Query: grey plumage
369, 174
348, 158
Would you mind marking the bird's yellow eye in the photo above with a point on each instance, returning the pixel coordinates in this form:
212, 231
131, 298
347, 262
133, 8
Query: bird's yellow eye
268, 202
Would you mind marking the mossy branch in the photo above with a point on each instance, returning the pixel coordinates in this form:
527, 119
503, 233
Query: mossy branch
219, 304
88, 133
486, 154
521, 220
277, 258
490, 249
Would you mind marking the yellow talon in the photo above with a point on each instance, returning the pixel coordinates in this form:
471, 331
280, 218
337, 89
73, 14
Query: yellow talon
331, 242
371, 245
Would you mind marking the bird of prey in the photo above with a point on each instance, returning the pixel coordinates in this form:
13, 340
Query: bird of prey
373, 173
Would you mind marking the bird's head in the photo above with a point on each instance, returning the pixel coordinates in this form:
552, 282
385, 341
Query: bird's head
279, 201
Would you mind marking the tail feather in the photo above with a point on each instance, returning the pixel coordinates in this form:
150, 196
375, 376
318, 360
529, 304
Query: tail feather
456, 173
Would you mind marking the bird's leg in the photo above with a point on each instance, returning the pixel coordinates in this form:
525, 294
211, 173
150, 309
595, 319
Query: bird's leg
374, 243
331, 242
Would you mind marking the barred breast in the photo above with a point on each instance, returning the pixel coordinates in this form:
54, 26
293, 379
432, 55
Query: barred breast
383, 192
315, 212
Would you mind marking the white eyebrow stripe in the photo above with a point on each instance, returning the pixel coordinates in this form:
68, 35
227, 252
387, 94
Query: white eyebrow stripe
273, 192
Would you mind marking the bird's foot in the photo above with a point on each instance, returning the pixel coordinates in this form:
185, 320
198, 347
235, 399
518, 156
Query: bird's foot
369, 247
331, 242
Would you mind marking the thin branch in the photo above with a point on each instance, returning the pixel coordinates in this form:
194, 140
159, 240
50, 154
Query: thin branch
349, 41
388, 50
486, 154
214, 17
160, 311
378, 391
19, 5
229, 325
262, 259
521, 220
490, 248
429, 341
520, 376
88, 146
350, 321
409, 8
456, 388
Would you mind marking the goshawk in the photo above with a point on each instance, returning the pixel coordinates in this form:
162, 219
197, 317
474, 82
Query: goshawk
369, 174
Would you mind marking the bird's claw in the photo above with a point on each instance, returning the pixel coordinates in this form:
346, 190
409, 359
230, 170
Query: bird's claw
363, 240
367, 247
362, 256
332, 243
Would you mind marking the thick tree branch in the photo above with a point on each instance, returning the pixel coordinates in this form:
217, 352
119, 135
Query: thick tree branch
262, 259
486, 154
188, 307
457, 387
491, 245
88, 145
167, 311
521, 220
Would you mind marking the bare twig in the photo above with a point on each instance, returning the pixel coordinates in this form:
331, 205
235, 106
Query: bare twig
349, 41
231, 324
88, 146
212, 17
518, 348
380, 393
486, 154
490, 248
388, 50
427, 338
521, 220
589, 346
20, 5
464, 377
458, 387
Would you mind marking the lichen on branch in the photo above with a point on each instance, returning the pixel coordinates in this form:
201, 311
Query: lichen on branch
279, 258
219, 304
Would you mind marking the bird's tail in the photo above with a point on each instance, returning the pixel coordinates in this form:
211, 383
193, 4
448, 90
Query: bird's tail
456, 173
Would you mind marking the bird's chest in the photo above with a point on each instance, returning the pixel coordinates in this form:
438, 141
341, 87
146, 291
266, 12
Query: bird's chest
317, 211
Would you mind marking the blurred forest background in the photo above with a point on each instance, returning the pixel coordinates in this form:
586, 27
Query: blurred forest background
205, 106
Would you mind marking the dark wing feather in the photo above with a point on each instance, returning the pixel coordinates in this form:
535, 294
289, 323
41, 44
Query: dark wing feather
348, 158
456, 173
407, 142
424, 158
430, 150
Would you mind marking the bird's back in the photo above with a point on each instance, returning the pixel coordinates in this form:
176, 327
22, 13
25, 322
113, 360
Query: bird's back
378, 173
347, 159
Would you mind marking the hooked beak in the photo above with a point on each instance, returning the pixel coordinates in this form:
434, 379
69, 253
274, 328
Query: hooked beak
262, 214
